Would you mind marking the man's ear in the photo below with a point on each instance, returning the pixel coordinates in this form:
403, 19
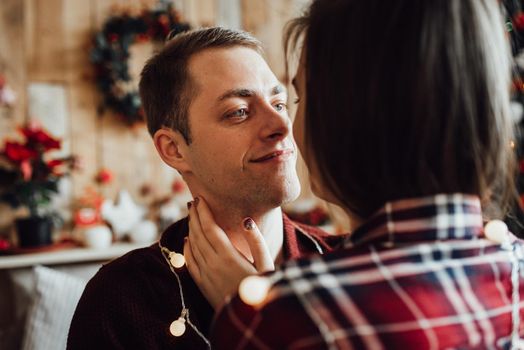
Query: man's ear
172, 148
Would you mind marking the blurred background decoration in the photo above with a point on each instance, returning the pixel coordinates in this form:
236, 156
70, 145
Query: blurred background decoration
7, 95
74, 65
29, 176
514, 11
111, 52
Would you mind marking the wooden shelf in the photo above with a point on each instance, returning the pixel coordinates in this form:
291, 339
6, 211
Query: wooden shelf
66, 256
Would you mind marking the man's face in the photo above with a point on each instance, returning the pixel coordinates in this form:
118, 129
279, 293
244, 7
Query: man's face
242, 152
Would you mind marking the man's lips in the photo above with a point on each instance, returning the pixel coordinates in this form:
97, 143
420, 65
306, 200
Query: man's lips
275, 154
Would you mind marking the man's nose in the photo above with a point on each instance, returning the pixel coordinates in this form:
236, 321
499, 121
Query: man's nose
276, 124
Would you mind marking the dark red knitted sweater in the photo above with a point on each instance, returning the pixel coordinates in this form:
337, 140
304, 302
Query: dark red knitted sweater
131, 301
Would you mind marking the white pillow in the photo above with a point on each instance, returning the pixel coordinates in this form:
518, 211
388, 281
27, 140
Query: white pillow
48, 320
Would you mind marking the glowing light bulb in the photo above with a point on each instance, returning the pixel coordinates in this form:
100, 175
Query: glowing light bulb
253, 289
177, 259
496, 231
178, 327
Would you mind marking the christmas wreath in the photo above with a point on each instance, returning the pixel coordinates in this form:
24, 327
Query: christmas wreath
110, 56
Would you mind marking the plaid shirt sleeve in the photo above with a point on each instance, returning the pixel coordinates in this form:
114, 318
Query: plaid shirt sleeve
241, 326
439, 286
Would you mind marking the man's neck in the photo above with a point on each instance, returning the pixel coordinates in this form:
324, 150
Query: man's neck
269, 223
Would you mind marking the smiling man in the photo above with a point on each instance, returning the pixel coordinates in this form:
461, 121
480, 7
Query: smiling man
218, 115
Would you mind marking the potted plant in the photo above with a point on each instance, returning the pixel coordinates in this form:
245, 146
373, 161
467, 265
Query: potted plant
29, 176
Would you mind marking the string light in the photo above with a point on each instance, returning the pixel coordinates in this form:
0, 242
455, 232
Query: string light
176, 259
496, 231
178, 326
253, 289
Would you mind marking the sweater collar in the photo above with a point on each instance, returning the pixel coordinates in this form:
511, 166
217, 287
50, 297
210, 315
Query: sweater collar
296, 239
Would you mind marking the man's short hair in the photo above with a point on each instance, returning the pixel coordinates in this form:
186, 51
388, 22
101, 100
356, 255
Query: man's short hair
166, 87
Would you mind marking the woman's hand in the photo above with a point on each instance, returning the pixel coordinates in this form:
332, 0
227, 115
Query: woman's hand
214, 263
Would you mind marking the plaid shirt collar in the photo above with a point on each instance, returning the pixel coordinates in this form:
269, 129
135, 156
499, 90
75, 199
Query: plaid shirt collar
432, 218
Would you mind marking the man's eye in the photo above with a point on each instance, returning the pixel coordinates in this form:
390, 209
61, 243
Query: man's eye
280, 107
239, 113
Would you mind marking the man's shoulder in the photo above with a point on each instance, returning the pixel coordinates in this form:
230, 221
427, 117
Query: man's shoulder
126, 269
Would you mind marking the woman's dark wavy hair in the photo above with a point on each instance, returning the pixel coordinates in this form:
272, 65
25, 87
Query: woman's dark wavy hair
407, 98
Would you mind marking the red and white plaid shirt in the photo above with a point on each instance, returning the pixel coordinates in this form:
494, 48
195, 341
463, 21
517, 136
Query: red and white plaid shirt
418, 275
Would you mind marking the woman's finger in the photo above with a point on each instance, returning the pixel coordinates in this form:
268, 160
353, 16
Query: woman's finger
215, 235
200, 245
191, 263
257, 244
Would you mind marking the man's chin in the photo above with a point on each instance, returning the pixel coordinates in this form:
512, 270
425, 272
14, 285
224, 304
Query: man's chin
291, 192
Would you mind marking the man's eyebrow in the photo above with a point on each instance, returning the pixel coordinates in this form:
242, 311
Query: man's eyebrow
236, 93
277, 89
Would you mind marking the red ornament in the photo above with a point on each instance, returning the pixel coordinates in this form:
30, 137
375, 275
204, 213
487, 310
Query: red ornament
4, 244
142, 38
178, 186
163, 20
518, 21
113, 37
36, 135
518, 85
86, 217
104, 176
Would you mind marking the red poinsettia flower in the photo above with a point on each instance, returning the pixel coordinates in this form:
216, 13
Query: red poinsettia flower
54, 163
18, 153
36, 135
27, 170
54, 166
35, 175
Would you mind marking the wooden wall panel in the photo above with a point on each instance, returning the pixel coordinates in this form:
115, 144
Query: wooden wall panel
200, 13
45, 50
266, 20
12, 58
83, 98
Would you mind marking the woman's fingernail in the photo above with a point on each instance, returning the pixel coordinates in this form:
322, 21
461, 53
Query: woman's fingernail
196, 201
249, 224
